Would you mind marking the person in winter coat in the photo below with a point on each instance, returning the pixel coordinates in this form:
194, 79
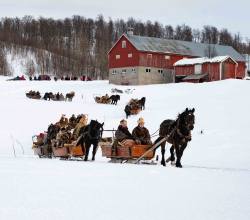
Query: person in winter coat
141, 133
122, 133
63, 121
80, 125
63, 137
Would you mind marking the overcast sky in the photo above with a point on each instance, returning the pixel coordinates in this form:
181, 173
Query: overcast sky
234, 15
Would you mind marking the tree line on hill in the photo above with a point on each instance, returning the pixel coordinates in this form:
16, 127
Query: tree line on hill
79, 45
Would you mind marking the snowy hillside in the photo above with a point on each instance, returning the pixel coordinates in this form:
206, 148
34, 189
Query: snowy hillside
213, 184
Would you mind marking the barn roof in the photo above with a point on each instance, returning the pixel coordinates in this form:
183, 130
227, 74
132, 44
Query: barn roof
152, 44
192, 61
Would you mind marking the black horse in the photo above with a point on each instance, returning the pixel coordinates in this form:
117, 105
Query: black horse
48, 96
142, 102
127, 110
90, 135
179, 134
114, 99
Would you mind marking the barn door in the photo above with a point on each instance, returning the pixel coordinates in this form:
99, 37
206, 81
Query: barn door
197, 69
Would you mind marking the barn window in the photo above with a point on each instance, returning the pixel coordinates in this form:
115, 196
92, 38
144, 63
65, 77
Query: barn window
113, 72
149, 56
117, 56
123, 44
148, 70
124, 71
197, 69
133, 70
167, 57
129, 55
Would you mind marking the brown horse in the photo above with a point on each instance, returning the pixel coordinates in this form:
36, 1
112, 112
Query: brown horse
69, 96
179, 134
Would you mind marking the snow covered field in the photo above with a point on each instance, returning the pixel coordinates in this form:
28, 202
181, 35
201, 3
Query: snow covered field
213, 184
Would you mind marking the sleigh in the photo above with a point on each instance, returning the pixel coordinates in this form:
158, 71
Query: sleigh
135, 111
41, 151
101, 100
39, 147
67, 151
126, 151
28, 95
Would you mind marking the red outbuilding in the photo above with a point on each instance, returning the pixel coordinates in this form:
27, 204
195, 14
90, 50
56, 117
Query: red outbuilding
206, 69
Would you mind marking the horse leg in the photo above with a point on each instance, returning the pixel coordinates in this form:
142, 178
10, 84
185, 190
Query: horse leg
87, 147
181, 149
95, 146
163, 162
178, 155
172, 157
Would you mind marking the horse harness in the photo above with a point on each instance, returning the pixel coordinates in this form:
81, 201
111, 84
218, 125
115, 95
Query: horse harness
181, 135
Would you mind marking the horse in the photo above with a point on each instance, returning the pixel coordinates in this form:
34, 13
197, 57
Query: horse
69, 96
127, 111
48, 96
114, 99
142, 103
90, 135
179, 134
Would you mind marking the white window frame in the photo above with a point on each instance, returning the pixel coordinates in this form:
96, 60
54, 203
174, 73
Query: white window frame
117, 56
124, 44
130, 55
167, 57
114, 72
197, 69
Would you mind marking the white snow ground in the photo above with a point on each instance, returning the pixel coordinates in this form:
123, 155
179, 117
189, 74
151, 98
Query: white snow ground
213, 184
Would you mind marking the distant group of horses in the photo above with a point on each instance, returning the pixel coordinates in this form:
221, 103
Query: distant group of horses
50, 96
59, 96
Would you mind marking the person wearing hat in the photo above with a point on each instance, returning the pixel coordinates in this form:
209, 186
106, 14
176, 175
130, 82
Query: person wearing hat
141, 133
63, 122
122, 133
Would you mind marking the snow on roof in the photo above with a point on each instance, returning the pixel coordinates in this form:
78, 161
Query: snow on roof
192, 61
181, 47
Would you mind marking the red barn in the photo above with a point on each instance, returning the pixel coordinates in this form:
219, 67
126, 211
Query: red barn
205, 69
138, 60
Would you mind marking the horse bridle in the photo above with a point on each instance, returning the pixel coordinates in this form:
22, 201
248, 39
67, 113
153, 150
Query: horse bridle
178, 130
